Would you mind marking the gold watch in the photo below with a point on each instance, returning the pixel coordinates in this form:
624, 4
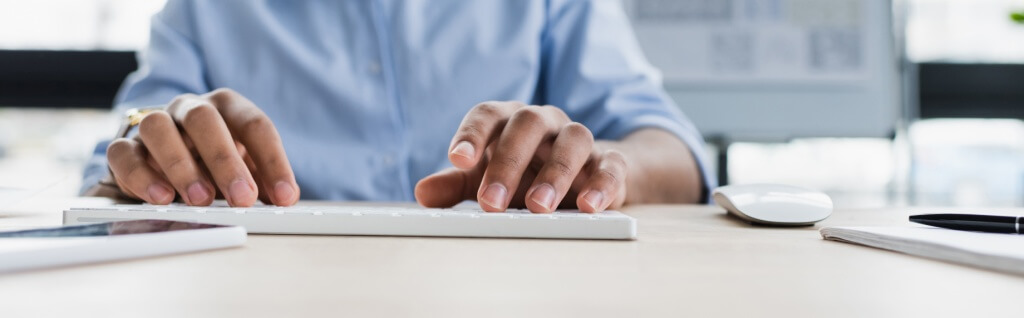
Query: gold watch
132, 118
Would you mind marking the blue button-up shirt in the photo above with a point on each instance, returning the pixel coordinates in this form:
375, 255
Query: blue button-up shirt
367, 94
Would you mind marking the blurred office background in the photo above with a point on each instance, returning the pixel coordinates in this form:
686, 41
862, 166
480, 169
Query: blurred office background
878, 102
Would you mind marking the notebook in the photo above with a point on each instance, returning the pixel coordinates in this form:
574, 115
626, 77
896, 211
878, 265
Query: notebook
1000, 252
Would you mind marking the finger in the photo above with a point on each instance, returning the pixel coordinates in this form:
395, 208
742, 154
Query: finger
443, 189
257, 132
519, 197
163, 141
569, 153
212, 139
449, 187
127, 159
202, 168
263, 192
513, 152
607, 183
481, 125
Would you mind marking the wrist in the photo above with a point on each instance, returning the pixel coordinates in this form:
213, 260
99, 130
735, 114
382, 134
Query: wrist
660, 168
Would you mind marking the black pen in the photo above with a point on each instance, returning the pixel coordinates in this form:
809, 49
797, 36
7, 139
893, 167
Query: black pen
971, 222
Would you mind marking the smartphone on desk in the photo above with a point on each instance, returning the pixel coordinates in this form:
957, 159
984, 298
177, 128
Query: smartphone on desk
100, 242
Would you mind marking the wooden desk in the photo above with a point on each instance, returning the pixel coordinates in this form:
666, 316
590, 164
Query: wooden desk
690, 261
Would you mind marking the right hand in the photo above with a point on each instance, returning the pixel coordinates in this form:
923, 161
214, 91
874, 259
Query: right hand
220, 138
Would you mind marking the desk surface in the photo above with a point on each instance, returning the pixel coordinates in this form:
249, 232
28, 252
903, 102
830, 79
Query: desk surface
689, 261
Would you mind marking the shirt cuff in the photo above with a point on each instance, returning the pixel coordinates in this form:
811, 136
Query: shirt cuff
96, 168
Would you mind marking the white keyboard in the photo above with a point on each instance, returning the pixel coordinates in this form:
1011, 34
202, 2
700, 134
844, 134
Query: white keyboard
377, 220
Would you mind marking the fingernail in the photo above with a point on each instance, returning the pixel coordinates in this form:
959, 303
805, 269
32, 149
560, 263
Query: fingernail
197, 193
284, 192
594, 199
239, 190
465, 149
159, 193
544, 195
494, 196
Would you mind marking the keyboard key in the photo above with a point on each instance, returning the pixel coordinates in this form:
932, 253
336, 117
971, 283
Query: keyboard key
467, 221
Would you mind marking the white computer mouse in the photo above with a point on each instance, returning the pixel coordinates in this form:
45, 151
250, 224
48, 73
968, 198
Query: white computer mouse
774, 204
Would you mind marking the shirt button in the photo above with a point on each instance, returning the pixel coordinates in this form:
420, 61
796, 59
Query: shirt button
375, 67
387, 160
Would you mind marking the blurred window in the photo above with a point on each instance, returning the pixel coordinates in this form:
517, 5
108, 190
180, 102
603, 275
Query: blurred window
937, 30
964, 31
76, 24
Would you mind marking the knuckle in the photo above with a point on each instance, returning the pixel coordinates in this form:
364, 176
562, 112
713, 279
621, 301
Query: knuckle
183, 98
223, 93
517, 104
531, 117
179, 163
198, 114
611, 178
178, 102
224, 96
221, 158
511, 162
488, 109
470, 131
557, 111
153, 122
135, 174
615, 156
577, 131
257, 123
272, 160
562, 168
614, 162
119, 148
119, 155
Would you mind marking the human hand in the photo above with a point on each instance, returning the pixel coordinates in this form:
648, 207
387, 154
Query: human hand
507, 154
220, 136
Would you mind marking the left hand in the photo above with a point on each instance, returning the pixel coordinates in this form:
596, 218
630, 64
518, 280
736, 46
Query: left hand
507, 154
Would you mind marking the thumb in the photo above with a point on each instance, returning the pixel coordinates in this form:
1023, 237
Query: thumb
446, 188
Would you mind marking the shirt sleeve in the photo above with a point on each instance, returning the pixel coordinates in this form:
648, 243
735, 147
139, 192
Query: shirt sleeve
596, 71
170, 66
